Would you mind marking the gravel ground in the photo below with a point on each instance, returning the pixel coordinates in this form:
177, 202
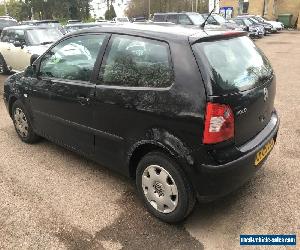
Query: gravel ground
51, 198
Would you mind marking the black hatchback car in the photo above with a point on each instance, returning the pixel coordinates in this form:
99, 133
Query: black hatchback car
185, 113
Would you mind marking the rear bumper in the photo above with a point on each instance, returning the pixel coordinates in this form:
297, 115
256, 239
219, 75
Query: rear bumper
214, 181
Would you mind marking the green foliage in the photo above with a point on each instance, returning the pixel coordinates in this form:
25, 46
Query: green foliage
2, 10
49, 9
110, 13
141, 7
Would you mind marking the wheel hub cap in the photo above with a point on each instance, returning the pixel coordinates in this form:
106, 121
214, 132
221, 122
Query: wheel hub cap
21, 123
160, 189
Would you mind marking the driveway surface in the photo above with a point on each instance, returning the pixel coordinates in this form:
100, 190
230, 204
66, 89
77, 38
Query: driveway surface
51, 198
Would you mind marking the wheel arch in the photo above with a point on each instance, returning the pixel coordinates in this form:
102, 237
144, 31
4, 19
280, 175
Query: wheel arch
170, 148
11, 102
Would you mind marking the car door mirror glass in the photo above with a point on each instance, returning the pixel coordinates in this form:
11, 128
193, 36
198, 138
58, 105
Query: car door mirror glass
18, 44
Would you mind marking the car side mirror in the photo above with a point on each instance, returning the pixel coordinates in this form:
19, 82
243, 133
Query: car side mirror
18, 44
30, 71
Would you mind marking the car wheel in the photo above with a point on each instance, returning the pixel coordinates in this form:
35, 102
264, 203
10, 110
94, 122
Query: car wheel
164, 188
22, 123
3, 66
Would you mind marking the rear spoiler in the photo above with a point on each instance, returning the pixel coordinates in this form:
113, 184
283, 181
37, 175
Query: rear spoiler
220, 35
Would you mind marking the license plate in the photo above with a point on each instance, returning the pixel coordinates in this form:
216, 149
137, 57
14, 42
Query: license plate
264, 152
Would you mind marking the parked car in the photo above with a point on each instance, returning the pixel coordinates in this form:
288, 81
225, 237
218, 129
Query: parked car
277, 25
78, 26
139, 19
121, 20
46, 23
73, 21
8, 18
6, 23
73, 27
21, 45
186, 18
268, 27
216, 19
254, 31
186, 113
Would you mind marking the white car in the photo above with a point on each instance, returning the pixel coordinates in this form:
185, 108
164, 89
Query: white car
277, 25
121, 20
21, 45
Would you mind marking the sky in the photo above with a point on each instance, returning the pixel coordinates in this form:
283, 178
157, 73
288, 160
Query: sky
100, 7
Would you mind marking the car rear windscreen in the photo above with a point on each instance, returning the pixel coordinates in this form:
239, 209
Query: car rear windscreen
234, 64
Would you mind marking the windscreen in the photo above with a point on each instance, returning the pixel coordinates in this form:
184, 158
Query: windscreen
7, 23
220, 19
234, 64
196, 18
43, 36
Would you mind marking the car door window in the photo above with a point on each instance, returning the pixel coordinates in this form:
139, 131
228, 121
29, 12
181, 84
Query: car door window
172, 18
19, 35
8, 36
137, 62
159, 18
184, 20
5, 36
73, 58
212, 21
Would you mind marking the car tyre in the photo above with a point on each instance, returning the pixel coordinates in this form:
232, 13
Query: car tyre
3, 66
164, 188
22, 123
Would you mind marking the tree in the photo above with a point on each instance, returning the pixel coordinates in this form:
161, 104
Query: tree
110, 13
140, 7
50, 9
2, 10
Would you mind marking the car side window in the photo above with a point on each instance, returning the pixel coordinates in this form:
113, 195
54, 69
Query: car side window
73, 58
19, 35
184, 20
172, 18
159, 18
7, 36
137, 62
212, 21
4, 36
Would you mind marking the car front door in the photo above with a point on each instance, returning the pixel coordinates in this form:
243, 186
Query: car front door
7, 46
60, 98
19, 55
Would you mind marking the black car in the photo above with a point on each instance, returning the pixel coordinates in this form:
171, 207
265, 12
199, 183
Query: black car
185, 113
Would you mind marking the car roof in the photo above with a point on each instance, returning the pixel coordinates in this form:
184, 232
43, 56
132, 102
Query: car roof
26, 27
167, 33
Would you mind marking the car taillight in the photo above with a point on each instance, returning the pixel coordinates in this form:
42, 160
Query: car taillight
219, 123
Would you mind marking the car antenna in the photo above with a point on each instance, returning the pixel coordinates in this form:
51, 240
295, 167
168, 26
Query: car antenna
204, 23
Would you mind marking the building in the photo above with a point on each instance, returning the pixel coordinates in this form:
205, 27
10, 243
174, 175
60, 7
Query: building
267, 8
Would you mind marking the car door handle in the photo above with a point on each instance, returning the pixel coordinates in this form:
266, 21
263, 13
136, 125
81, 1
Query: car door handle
83, 100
